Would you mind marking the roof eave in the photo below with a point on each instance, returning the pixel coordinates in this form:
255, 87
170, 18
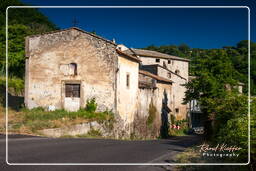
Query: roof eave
128, 56
158, 78
182, 59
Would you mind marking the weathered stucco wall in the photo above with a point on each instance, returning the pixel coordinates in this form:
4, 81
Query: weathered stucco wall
178, 109
127, 94
151, 60
181, 66
96, 62
152, 113
173, 64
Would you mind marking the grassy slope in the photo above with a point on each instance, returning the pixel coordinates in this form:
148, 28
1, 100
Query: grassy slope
30, 121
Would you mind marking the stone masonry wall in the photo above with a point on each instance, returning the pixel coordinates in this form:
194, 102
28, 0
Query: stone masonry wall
151, 111
96, 62
179, 110
173, 65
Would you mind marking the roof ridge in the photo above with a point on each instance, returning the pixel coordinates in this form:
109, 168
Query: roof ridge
76, 28
165, 54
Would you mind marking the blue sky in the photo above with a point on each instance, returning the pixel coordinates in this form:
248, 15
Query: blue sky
199, 28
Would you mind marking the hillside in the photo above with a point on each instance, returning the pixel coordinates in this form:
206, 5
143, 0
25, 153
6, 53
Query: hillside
21, 22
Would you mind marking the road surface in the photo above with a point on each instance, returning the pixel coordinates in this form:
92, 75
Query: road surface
28, 149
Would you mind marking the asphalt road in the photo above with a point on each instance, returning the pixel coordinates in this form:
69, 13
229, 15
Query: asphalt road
27, 149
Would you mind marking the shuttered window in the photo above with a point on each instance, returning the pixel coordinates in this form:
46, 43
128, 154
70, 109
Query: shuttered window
72, 90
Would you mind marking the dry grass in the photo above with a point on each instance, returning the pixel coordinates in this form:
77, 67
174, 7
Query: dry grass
14, 118
30, 122
192, 155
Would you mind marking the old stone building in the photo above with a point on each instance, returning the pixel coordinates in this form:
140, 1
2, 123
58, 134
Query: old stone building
67, 67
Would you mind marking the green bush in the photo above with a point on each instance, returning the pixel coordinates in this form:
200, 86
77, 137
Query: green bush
91, 105
235, 133
173, 119
15, 87
151, 114
183, 128
231, 123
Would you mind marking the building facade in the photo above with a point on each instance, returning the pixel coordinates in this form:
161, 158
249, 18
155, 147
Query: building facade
66, 68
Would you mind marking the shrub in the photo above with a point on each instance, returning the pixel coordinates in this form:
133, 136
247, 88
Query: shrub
173, 119
179, 128
94, 133
151, 114
15, 87
231, 123
91, 105
14, 84
236, 133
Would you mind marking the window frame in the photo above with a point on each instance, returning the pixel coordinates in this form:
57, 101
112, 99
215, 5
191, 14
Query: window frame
72, 90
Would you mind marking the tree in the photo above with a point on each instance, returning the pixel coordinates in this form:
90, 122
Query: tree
184, 49
21, 23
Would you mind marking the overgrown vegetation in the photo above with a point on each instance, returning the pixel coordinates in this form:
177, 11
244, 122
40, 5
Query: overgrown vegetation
30, 121
178, 127
215, 89
227, 112
41, 114
91, 105
21, 23
216, 71
151, 114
